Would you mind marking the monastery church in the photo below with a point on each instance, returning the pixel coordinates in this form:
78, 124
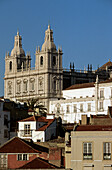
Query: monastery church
44, 82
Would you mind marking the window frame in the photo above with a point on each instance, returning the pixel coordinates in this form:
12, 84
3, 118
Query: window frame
106, 151
41, 61
81, 109
101, 93
27, 129
88, 154
20, 157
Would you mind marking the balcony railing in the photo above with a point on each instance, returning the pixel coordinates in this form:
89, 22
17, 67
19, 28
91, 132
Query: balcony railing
87, 156
107, 156
25, 133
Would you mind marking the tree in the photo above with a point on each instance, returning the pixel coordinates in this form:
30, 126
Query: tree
37, 107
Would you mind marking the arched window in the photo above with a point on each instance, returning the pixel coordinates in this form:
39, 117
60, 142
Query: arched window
41, 60
54, 60
10, 65
54, 85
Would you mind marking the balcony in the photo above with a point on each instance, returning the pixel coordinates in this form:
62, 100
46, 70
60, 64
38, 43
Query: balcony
107, 156
25, 133
87, 156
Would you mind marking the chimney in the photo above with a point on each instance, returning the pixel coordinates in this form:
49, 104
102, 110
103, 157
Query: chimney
84, 120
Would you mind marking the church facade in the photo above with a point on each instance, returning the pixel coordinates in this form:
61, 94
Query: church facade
44, 82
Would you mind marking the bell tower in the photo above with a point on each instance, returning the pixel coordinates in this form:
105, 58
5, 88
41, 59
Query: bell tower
17, 59
49, 66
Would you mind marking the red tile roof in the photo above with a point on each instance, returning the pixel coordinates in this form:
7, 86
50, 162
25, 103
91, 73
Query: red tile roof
44, 127
17, 145
108, 64
94, 128
34, 118
87, 85
78, 86
38, 163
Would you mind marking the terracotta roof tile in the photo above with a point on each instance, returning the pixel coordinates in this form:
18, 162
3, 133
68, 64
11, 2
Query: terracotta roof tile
78, 86
34, 118
108, 64
87, 85
17, 145
44, 127
94, 128
38, 163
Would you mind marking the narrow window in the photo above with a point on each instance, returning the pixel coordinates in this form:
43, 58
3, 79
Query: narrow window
25, 86
68, 109
54, 60
87, 151
89, 107
81, 107
19, 157
10, 65
27, 130
41, 60
75, 108
101, 105
101, 93
106, 150
32, 85
54, 85
18, 87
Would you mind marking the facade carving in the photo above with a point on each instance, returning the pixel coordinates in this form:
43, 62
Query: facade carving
23, 83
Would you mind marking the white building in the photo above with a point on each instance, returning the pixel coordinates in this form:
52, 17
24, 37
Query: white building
39, 129
87, 98
43, 82
4, 124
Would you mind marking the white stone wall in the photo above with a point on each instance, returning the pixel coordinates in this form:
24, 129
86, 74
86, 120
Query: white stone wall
38, 135
82, 96
43, 75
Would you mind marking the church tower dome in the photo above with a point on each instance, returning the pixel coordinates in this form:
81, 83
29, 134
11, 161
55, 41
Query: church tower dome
48, 43
18, 50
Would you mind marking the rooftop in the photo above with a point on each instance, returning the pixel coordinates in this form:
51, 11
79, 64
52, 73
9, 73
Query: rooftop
17, 145
93, 128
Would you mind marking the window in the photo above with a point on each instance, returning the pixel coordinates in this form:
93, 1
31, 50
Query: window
6, 133
10, 66
41, 60
54, 60
101, 105
81, 107
6, 120
27, 129
54, 85
87, 151
101, 93
89, 107
75, 108
68, 109
22, 157
106, 150
18, 87
3, 161
32, 85
25, 85
9, 87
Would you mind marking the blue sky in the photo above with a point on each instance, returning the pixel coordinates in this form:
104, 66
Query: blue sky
82, 27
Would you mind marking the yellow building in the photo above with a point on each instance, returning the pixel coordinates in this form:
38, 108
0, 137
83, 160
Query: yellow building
91, 147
